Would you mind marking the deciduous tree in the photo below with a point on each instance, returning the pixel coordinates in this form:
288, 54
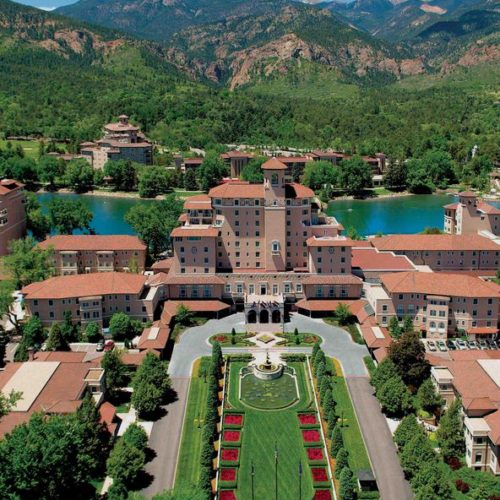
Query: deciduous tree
450, 433
56, 340
125, 462
394, 397
67, 215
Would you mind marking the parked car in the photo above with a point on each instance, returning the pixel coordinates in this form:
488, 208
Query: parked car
441, 345
109, 345
461, 344
100, 346
483, 345
492, 344
451, 345
431, 345
473, 344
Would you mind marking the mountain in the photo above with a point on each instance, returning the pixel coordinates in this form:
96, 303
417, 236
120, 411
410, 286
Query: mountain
243, 50
159, 19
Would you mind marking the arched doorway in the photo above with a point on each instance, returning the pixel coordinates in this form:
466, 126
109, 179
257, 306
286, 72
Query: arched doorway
276, 316
251, 316
264, 316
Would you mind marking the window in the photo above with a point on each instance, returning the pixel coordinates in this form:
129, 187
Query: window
287, 287
319, 291
298, 287
275, 246
239, 287
251, 288
182, 291
227, 288
275, 289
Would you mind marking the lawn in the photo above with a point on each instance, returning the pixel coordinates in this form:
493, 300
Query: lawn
268, 394
287, 339
30, 147
262, 430
353, 439
182, 193
188, 464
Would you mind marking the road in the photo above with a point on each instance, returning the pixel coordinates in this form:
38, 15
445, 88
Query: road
167, 432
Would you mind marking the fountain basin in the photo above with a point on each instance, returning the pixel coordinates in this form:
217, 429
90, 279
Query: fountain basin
268, 371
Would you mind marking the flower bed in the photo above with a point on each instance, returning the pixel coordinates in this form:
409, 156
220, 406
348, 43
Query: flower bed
230, 455
227, 495
308, 420
231, 437
233, 420
311, 436
219, 338
315, 454
322, 495
227, 477
320, 476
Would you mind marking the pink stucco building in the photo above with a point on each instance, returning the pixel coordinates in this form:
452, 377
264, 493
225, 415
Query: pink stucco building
260, 246
12, 213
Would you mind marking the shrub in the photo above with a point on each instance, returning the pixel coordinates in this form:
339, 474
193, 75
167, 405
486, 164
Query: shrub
346, 487
337, 441
125, 462
136, 436
462, 486
406, 430
341, 461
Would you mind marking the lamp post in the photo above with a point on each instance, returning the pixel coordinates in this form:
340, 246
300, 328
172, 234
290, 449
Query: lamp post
276, 467
300, 480
252, 473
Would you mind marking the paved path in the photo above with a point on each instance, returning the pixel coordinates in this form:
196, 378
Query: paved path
378, 440
165, 441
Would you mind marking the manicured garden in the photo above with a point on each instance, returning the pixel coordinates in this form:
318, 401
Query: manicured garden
241, 339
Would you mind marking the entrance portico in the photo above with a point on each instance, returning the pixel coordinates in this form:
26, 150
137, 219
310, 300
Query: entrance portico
264, 311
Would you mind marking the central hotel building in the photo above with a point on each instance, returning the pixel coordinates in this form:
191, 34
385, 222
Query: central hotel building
261, 245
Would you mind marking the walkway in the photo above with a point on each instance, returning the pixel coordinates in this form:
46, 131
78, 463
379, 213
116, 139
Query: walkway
166, 434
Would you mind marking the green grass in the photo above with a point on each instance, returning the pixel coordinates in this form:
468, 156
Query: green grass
370, 364
353, 439
287, 339
188, 464
269, 394
30, 147
261, 430
182, 193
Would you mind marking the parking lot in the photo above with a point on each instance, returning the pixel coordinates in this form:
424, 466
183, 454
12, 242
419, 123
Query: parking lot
432, 345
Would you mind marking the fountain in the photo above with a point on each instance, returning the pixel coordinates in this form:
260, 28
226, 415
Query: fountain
268, 370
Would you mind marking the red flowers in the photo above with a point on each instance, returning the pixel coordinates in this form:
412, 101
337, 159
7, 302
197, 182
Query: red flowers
227, 495
231, 436
319, 475
308, 418
314, 453
233, 419
322, 495
230, 454
228, 474
219, 338
311, 436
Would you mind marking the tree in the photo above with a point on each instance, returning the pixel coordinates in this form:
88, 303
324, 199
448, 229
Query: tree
7, 300
408, 354
252, 171
79, 175
431, 230
49, 168
355, 175
394, 328
319, 358
431, 483
121, 327
153, 181
147, 398
117, 491
337, 441
68, 215
7, 402
332, 421
56, 341
190, 182
407, 324
318, 174
115, 372
341, 461
396, 176
439, 167
22, 169
212, 171
125, 462
33, 335
184, 315
427, 397
416, 453
217, 358
69, 329
36, 221
28, 263
154, 226
93, 332
346, 486
450, 435
418, 179
408, 428
123, 173
394, 397
384, 371
315, 349
343, 314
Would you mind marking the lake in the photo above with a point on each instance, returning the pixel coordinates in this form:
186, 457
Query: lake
406, 214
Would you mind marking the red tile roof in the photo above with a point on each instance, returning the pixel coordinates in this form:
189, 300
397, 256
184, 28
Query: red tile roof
370, 259
194, 230
451, 206
325, 305
93, 242
483, 330
488, 209
443, 242
196, 305
198, 202
467, 194
9, 185
61, 356
86, 285
236, 154
162, 265
293, 159
330, 241
274, 164
237, 189
193, 161
450, 285
294, 190
493, 421
155, 337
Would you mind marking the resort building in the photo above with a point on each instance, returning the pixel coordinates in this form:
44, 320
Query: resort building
78, 254
92, 297
54, 384
470, 215
377, 162
121, 141
369, 263
236, 161
260, 247
192, 163
443, 252
440, 304
12, 213
475, 378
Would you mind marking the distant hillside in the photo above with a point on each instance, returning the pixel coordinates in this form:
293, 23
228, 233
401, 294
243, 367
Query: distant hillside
244, 50
159, 19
